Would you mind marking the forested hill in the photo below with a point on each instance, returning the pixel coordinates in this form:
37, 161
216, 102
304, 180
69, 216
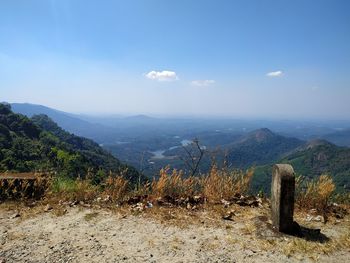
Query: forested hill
260, 147
67, 121
40, 144
312, 160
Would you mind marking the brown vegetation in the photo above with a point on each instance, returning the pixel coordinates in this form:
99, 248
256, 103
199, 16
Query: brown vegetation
171, 187
23, 185
315, 193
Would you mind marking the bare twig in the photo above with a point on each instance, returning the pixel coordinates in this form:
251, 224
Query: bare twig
193, 159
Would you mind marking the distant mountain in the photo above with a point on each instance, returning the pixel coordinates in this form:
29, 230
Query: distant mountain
100, 129
40, 144
341, 138
312, 160
67, 121
260, 147
140, 117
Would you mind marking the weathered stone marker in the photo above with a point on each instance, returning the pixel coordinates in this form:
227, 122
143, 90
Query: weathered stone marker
282, 198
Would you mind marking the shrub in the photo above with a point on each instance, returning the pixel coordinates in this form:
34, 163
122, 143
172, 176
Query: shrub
224, 184
174, 184
216, 185
25, 186
116, 188
70, 189
314, 193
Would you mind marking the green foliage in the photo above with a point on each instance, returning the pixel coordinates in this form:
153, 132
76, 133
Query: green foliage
85, 152
63, 184
74, 189
311, 162
40, 144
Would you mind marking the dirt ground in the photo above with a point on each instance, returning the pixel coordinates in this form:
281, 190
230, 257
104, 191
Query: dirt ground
66, 233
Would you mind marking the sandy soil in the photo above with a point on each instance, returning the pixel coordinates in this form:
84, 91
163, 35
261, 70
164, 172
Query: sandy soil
80, 234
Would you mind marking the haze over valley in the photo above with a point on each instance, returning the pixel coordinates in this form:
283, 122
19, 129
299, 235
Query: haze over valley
174, 131
152, 143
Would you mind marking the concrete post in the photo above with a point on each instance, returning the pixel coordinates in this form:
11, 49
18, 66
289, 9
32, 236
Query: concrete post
282, 198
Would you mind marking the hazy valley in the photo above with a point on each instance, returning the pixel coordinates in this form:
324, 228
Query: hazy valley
150, 144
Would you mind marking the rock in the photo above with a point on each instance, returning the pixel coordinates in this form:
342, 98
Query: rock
314, 218
318, 218
254, 203
15, 215
260, 202
181, 201
337, 211
107, 199
225, 203
313, 211
139, 207
134, 200
229, 216
198, 199
241, 203
74, 203
48, 208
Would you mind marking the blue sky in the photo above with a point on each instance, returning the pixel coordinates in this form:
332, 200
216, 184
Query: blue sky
260, 59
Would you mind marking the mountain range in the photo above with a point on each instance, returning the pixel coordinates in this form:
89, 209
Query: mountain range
67, 121
150, 143
341, 138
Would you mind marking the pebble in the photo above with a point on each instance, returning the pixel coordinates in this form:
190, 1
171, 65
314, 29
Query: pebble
48, 208
15, 215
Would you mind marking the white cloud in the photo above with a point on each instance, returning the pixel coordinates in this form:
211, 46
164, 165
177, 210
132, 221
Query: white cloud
202, 83
273, 74
164, 75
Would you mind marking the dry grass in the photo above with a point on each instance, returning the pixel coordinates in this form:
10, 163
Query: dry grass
342, 198
216, 185
248, 229
298, 246
23, 185
223, 184
315, 193
116, 188
172, 183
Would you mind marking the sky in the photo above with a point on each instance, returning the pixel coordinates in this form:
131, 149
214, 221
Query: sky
247, 59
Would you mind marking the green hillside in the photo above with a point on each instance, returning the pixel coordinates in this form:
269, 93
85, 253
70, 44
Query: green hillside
260, 147
40, 144
314, 159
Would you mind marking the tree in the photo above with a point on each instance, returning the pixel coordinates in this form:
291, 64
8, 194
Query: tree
194, 155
